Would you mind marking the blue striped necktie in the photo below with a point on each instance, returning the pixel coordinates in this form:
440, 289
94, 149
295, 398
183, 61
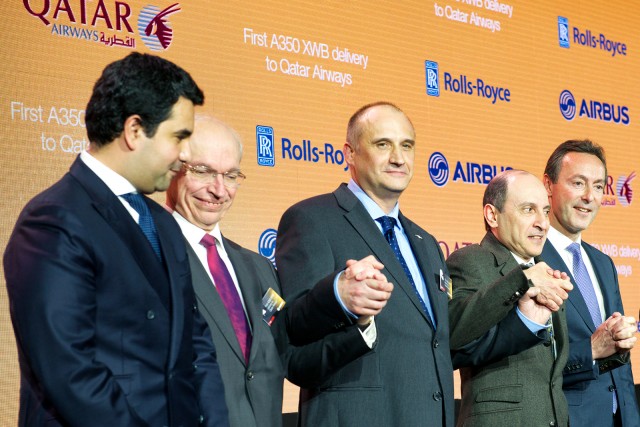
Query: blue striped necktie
145, 221
585, 285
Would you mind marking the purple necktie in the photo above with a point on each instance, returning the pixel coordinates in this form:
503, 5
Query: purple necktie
228, 294
585, 285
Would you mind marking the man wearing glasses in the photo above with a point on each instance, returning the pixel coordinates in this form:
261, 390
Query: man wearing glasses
229, 280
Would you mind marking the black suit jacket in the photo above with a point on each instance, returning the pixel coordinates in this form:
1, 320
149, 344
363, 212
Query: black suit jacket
106, 335
588, 390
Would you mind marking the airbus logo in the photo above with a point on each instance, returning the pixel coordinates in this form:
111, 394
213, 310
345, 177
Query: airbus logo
567, 105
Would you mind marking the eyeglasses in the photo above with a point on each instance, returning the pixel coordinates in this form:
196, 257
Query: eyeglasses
206, 175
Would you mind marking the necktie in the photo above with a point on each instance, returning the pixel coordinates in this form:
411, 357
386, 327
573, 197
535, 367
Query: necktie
585, 285
388, 223
145, 221
581, 275
228, 294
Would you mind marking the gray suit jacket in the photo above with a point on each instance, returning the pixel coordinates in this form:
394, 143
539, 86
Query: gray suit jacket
407, 379
253, 392
521, 389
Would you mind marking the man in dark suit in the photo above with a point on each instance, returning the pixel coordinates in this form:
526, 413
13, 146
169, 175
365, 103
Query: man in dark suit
98, 278
406, 379
497, 285
598, 381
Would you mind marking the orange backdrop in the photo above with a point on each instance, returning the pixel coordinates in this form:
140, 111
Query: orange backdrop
288, 74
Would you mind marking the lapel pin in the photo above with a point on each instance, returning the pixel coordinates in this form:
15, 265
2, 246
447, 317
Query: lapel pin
419, 236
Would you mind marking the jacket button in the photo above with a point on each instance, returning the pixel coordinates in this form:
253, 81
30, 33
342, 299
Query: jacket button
612, 387
437, 396
151, 315
436, 344
250, 375
552, 424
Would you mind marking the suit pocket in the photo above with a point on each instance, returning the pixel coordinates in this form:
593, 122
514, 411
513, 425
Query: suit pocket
508, 394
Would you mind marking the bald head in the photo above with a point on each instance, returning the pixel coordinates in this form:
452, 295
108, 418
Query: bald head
202, 193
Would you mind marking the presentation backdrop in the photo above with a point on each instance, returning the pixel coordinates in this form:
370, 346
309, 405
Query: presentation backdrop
489, 85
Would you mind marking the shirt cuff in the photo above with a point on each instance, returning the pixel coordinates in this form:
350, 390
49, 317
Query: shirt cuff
534, 327
370, 334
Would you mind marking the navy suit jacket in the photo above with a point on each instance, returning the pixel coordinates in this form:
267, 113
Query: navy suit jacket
107, 335
588, 391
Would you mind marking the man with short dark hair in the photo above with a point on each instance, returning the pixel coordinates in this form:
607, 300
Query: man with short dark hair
598, 380
504, 294
104, 314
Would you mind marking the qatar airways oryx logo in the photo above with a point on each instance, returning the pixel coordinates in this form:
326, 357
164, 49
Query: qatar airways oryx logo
624, 190
107, 22
592, 109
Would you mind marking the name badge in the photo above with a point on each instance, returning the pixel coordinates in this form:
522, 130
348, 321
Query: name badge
272, 303
445, 284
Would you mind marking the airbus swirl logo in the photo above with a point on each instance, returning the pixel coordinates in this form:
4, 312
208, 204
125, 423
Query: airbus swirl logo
267, 244
438, 169
567, 105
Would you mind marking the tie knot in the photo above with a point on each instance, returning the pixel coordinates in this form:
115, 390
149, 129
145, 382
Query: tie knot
208, 241
574, 248
137, 202
387, 222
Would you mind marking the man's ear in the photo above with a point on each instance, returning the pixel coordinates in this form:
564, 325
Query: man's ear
348, 153
133, 132
491, 215
547, 184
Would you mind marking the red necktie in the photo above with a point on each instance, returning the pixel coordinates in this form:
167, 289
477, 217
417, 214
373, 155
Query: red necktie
229, 295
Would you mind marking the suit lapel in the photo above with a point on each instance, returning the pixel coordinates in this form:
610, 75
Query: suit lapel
553, 258
602, 275
505, 262
115, 214
211, 303
361, 221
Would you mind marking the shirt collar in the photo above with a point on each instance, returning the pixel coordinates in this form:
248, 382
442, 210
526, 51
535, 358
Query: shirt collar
559, 240
372, 207
116, 182
193, 233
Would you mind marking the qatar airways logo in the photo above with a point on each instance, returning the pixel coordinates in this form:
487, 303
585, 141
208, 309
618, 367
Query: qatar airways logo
110, 23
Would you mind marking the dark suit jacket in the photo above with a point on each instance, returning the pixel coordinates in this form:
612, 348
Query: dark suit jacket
106, 335
407, 379
524, 388
253, 391
587, 390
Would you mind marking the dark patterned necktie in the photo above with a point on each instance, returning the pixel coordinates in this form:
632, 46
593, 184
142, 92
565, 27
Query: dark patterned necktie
145, 221
388, 223
228, 294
